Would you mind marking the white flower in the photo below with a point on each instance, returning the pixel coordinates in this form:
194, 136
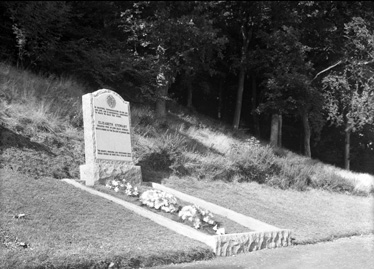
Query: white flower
116, 189
166, 209
220, 231
210, 221
172, 208
187, 212
114, 183
159, 203
197, 223
206, 219
135, 192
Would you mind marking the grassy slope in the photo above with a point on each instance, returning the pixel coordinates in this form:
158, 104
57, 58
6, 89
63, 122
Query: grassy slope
41, 138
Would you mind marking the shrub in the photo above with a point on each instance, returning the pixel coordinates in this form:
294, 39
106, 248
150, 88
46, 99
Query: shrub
333, 182
166, 154
157, 161
142, 116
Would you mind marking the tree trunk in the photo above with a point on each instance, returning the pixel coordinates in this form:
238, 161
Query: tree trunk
307, 134
256, 122
220, 97
161, 101
189, 93
247, 36
239, 98
274, 132
280, 126
347, 147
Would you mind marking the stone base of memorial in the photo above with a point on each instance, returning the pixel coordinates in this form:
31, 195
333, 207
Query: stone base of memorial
106, 170
107, 139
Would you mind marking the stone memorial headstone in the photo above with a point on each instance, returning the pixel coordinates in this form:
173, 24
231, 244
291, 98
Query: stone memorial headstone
107, 139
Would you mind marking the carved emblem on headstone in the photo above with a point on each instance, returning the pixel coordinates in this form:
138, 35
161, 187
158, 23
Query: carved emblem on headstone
111, 101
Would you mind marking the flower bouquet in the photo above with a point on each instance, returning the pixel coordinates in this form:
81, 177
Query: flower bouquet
159, 200
200, 218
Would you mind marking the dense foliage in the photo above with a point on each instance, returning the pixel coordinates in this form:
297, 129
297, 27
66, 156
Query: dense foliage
297, 72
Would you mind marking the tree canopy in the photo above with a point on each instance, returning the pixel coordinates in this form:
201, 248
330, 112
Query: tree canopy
291, 65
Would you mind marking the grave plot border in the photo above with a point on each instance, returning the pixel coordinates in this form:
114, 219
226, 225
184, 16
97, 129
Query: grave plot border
263, 236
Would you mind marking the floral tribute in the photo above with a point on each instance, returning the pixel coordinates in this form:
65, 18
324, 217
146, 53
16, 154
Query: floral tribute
118, 185
159, 200
200, 218
196, 216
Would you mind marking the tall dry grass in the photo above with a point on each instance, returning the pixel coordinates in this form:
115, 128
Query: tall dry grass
34, 103
195, 146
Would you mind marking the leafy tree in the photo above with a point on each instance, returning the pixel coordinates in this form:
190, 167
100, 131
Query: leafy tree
242, 20
179, 37
76, 37
349, 95
38, 27
288, 84
96, 48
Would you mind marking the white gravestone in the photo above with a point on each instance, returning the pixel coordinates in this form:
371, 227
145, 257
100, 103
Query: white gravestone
107, 139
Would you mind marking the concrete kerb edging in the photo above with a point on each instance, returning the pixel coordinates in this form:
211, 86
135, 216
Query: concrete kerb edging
243, 220
172, 225
266, 236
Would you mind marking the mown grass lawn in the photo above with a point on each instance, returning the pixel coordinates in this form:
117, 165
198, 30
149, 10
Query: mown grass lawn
313, 215
68, 227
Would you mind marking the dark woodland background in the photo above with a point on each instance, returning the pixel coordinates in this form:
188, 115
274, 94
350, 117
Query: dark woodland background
296, 73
